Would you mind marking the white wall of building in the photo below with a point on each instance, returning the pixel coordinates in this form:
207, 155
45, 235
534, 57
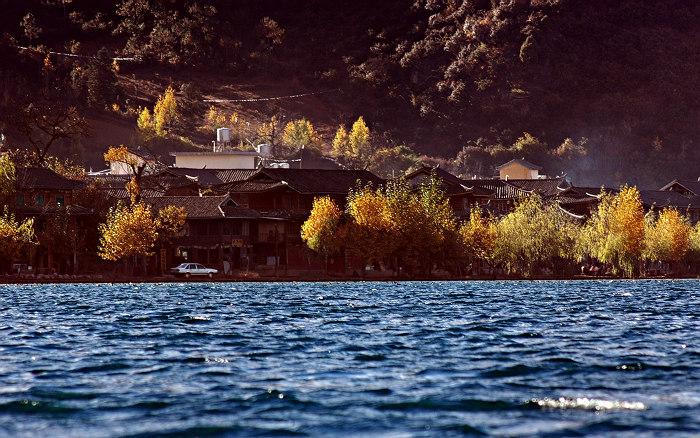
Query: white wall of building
215, 160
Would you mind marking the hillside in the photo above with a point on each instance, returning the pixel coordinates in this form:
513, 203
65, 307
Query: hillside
604, 92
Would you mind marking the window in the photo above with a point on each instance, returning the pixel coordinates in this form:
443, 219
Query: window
19, 200
39, 200
245, 228
59, 200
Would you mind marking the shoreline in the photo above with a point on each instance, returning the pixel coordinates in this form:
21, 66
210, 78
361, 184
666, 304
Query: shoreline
10, 280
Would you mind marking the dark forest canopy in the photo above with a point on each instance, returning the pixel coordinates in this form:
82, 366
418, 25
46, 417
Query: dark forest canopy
606, 91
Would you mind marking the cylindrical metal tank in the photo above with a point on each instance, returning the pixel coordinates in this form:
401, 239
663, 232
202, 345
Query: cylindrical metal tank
223, 134
265, 150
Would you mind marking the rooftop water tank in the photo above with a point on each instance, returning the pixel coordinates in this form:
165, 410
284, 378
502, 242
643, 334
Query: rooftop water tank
223, 134
264, 150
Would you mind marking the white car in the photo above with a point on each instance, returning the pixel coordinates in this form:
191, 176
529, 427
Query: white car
189, 269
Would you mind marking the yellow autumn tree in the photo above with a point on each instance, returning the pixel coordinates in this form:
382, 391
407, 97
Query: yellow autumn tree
442, 245
359, 139
371, 228
692, 256
321, 230
137, 167
240, 130
615, 232
215, 118
269, 132
165, 112
667, 238
341, 142
121, 154
170, 222
145, 122
479, 235
300, 133
7, 179
14, 236
129, 231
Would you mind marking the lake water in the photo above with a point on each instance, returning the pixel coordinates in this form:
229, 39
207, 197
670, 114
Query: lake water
554, 358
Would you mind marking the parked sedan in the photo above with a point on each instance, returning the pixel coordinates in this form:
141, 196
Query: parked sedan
189, 269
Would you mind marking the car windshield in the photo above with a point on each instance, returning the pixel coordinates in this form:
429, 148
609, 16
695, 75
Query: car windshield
182, 265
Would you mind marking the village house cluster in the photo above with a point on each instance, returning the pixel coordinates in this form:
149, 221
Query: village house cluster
245, 211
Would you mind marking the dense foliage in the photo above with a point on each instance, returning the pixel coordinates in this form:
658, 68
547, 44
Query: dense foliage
413, 230
604, 91
14, 236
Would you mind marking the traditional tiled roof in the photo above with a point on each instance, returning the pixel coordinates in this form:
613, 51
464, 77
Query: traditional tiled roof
107, 181
499, 188
691, 186
237, 212
304, 181
452, 184
256, 186
521, 161
205, 177
440, 173
35, 210
668, 198
41, 178
308, 158
545, 187
233, 175
142, 153
203, 207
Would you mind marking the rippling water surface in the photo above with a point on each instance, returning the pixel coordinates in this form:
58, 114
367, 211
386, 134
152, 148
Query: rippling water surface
617, 358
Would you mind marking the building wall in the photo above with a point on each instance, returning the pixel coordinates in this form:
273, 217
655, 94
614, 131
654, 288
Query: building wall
119, 168
518, 171
215, 161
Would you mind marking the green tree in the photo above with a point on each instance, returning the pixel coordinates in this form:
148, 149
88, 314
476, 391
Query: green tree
101, 80
63, 237
533, 237
445, 247
391, 162
529, 50
300, 133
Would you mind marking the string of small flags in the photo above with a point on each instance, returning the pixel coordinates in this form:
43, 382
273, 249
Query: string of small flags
262, 99
73, 55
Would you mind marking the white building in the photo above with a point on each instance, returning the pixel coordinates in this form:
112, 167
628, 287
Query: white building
216, 160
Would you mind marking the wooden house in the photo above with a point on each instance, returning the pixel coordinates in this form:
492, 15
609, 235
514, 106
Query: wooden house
218, 232
462, 194
284, 198
42, 194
